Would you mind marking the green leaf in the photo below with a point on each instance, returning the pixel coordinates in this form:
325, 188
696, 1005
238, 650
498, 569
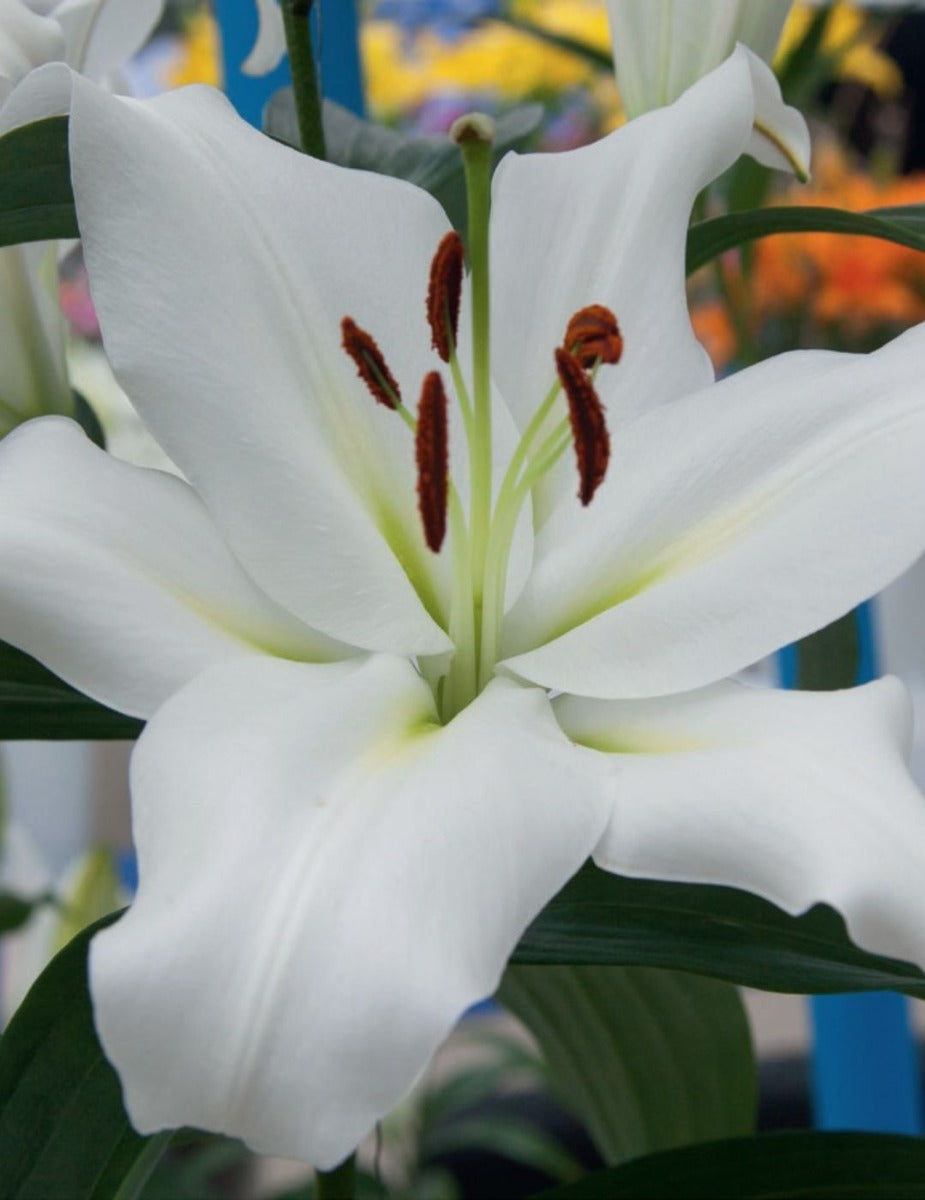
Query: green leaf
646, 1059
599, 918
36, 704
64, 1134
430, 162
787, 1166
16, 910
36, 201
88, 421
708, 239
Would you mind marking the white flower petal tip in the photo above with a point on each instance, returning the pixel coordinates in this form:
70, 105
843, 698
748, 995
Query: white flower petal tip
353, 876
780, 137
801, 797
270, 46
88, 597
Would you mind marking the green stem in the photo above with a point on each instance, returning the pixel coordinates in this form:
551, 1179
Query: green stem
304, 80
474, 136
339, 1184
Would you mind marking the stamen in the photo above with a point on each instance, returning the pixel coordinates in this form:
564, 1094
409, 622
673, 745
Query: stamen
589, 429
593, 335
370, 363
431, 449
443, 292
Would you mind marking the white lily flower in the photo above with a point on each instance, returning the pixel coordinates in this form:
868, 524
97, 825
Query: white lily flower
355, 789
270, 45
94, 37
661, 47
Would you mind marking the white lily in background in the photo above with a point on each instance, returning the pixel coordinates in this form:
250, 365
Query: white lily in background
355, 790
661, 47
270, 45
94, 37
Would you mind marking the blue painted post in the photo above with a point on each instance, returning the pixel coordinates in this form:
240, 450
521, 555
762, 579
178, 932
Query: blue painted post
864, 1067
335, 34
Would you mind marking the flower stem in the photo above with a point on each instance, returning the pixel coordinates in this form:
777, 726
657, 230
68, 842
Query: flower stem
304, 80
339, 1184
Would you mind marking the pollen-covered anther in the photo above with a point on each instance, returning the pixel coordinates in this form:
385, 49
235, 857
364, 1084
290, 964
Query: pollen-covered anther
431, 447
370, 363
593, 335
443, 292
589, 428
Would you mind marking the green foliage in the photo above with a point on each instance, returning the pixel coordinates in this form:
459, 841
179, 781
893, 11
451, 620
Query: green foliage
36, 201
599, 918
708, 239
647, 1059
432, 162
64, 1134
786, 1166
36, 704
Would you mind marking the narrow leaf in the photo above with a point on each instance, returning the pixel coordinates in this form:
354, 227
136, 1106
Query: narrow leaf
36, 201
786, 1166
646, 1059
64, 1134
37, 705
708, 239
599, 918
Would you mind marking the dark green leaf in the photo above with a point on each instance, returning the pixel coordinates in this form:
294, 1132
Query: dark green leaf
602, 918
35, 704
36, 201
787, 1166
829, 658
64, 1134
15, 910
431, 162
708, 239
88, 421
646, 1059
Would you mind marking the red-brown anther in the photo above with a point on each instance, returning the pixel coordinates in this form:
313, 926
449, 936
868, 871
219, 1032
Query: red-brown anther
431, 447
370, 363
589, 429
593, 334
443, 292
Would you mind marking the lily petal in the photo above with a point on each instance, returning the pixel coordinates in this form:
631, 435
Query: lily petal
116, 579
660, 49
801, 797
26, 40
270, 45
102, 35
612, 221
780, 136
730, 523
352, 875
238, 370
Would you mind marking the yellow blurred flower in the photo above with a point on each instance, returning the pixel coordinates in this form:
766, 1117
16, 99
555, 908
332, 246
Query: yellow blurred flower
199, 58
494, 59
847, 40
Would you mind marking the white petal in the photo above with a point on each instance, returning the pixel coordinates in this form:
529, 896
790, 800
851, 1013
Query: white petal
328, 879
661, 48
270, 45
33, 372
611, 219
45, 92
115, 577
801, 797
26, 40
102, 35
731, 523
234, 359
780, 137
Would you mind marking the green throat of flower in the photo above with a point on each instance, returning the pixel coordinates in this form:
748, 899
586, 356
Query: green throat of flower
481, 539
